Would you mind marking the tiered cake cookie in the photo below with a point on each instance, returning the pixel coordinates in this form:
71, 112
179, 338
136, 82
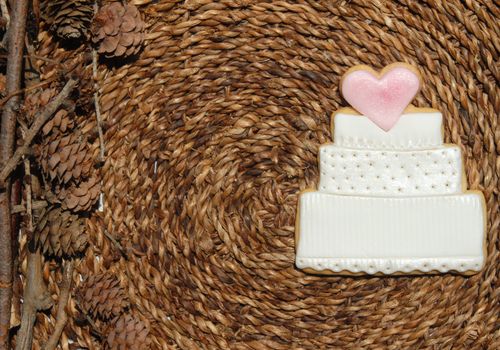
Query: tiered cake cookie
392, 197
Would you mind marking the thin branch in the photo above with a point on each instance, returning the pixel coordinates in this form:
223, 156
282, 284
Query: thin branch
16, 33
35, 298
40, 120
5, 12
102, 150
36, 205
61, 316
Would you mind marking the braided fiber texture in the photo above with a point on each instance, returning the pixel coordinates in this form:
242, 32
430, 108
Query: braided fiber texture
212, 132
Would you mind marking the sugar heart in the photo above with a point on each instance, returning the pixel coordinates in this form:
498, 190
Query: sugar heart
382, 99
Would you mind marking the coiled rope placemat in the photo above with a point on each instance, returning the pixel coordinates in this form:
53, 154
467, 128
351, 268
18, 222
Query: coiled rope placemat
214, 130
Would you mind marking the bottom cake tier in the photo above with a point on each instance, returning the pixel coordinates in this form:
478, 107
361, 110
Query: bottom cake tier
338, 233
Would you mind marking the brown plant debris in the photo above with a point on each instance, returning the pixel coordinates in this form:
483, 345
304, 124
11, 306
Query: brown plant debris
59, 232
129, 331
77, 196
102, 296
66, 157
68, 19
118, 30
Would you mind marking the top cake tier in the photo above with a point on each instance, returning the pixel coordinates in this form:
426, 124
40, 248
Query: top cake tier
415, 130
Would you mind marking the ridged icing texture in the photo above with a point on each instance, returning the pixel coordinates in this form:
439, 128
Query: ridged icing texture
384, 234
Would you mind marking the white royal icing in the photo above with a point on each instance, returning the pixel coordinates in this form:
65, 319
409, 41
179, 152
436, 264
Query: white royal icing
413, 131
390, 202
390, 173
370, 234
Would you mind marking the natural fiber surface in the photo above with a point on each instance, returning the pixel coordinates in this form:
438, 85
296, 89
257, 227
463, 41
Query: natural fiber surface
212, 132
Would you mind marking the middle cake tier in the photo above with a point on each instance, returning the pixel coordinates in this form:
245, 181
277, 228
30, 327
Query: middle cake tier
390, 173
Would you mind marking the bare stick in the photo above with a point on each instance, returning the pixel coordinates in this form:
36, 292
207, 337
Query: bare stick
35, 298
16, 33
96, 103
40, 120
36, 205
5, 12
61, 316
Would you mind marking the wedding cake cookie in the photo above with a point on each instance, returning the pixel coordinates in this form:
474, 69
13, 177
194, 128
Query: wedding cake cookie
392, 197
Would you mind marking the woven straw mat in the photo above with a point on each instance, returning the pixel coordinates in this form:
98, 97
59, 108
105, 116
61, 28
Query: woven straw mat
212, 132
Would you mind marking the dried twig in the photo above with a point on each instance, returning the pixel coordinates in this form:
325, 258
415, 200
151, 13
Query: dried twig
36, 205
17, 30
35, 298
5, 12
40, 120
62, 316
96, 104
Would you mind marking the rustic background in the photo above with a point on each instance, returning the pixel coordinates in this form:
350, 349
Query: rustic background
211, 131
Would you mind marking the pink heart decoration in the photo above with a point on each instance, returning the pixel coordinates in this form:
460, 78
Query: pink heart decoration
381, 99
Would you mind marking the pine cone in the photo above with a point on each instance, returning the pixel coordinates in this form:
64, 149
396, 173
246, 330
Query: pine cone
61, 233
129, 331
118, 30
68, 19
65, 157
102, 296
77, 197
61, 121
34, 103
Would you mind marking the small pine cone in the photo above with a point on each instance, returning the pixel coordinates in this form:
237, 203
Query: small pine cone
35, 102
129, 331
59, 232
77, 197
118, 30
102, 296
62, 121
68, 19
65, 157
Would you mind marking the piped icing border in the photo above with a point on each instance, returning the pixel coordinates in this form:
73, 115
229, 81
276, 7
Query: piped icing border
392, 265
